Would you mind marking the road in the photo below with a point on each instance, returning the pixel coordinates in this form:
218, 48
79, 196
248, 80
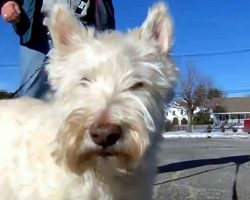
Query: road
203, 169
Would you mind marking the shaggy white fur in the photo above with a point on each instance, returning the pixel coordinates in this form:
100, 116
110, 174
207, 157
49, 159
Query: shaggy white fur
97, 139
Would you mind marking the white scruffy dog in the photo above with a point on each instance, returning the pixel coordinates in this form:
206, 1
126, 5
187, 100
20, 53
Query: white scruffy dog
97, 139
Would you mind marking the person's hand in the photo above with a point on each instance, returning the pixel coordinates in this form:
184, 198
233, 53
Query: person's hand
11, 12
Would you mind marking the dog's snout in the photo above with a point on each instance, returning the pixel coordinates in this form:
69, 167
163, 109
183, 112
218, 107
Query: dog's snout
106, 134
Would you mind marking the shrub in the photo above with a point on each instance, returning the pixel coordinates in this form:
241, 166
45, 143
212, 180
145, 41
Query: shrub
234, 129
201, 118
168, 125
5, 95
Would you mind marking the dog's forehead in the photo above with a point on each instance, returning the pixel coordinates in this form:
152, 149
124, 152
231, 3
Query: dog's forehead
114, 56
113, 45
112, 51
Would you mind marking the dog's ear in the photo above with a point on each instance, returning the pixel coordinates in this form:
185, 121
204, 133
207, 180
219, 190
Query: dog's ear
64, 29
158, 27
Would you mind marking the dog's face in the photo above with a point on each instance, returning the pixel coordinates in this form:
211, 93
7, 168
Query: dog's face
112, 87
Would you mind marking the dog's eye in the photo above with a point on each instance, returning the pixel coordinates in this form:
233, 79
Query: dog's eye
137, 86
85, 81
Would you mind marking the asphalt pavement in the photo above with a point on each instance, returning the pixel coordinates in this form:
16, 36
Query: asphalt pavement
203, 169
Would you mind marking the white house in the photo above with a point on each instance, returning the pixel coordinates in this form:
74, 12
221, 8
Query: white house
237, 109
176, 114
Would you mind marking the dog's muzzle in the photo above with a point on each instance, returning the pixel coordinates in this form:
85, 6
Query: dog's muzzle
105, 135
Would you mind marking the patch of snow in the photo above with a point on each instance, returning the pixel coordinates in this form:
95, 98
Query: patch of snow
199, 134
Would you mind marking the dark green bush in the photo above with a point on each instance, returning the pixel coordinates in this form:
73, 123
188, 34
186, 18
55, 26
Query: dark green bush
201, 118
168, 125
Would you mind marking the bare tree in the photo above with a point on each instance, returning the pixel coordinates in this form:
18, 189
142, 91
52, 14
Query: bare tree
193, 93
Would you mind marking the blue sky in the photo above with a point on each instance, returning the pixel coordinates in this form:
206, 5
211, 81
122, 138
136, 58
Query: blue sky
212, 35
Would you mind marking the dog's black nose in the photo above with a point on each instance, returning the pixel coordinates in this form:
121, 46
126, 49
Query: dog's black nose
105, 134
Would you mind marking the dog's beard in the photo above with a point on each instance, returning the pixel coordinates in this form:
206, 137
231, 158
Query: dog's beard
77, 151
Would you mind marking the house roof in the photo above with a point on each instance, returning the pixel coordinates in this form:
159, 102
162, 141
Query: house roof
233, 104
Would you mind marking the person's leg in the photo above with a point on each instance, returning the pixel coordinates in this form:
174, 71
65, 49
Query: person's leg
34, 78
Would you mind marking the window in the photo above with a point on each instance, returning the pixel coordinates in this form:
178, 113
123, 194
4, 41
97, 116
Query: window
248, 116
241, 116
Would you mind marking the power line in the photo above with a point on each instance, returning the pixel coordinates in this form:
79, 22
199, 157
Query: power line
212, 53
9, 65
236, 91
172, 54
223, 92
